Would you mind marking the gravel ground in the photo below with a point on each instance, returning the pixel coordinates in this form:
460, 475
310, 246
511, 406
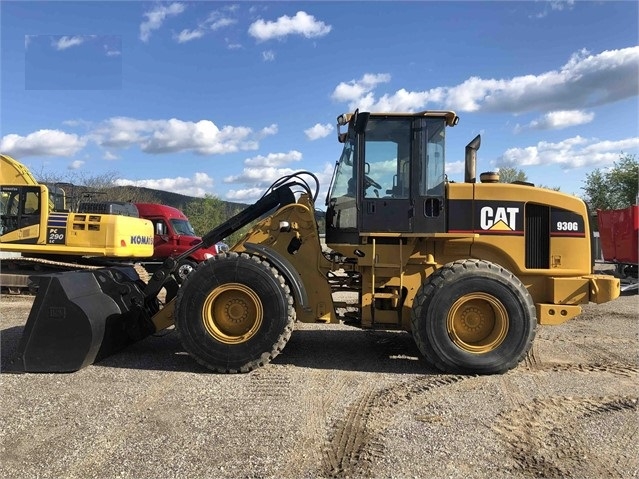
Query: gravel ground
338, 402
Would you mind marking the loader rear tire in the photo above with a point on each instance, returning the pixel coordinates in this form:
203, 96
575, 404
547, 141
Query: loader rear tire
234, 313
473, 317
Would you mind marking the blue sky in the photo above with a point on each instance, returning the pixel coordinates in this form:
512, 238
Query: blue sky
203, 97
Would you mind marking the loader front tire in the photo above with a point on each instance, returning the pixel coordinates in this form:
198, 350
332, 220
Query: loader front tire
473, 317
234, 313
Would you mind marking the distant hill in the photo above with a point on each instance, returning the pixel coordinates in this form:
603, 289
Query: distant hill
139, 194
149, 195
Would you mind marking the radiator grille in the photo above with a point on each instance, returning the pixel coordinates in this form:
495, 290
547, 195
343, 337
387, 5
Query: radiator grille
537, 236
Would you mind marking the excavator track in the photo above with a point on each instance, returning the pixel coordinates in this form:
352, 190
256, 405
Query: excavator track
15, 272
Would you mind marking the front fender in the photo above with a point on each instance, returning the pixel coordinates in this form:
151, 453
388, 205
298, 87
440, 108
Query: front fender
285, 267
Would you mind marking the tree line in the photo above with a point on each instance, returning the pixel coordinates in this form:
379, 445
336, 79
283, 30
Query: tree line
611, 188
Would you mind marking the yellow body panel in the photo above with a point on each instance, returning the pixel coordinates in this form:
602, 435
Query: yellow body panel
393, 271
36, 229
308, 261
85, 235
12, 172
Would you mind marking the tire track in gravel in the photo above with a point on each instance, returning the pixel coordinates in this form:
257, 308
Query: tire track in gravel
553, 437
263, 383
319, 390
602, 353
531, 360
357, 439
543, 436
618, 369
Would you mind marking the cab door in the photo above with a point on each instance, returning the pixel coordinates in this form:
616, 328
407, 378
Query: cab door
385, 172
429, 187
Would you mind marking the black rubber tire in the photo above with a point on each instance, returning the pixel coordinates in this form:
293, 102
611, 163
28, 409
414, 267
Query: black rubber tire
242, 289
454, 300
184, 268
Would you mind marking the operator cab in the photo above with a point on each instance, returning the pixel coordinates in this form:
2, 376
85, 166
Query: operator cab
390, 175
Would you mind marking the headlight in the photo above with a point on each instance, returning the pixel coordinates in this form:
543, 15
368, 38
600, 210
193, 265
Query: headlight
208, 255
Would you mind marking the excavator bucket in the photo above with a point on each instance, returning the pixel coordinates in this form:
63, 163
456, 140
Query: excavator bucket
81, 317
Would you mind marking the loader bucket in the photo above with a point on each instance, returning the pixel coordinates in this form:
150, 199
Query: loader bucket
81, 317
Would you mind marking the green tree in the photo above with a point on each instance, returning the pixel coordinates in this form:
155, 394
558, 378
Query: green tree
510, 175
208, 212
205, 213
613, 188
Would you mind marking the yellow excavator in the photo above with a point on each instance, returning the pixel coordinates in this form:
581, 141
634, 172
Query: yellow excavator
35, 222
469, 269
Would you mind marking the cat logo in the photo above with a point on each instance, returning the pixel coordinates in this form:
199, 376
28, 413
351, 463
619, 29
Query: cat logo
500, 218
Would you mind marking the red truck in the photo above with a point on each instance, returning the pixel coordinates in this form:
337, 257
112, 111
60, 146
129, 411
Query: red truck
619, 233
173, 236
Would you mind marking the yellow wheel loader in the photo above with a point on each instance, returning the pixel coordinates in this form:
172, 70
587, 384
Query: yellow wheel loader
470, 269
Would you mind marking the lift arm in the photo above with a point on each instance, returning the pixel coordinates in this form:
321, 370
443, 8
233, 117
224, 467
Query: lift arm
277, 198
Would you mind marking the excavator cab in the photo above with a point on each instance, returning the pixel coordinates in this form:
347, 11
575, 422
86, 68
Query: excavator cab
390, 176
21, 210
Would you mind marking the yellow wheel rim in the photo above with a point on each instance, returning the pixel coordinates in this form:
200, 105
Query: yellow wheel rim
232, 313
477, 323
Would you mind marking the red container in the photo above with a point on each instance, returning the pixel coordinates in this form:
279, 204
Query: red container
618, 234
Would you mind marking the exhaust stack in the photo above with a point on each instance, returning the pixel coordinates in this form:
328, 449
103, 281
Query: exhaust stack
471, 160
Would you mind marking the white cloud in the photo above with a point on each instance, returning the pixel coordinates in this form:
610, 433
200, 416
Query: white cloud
268, 131
122, 132
110, 156
570, 153
203, 137
301, 24
268, 56
261, 175
455, 167
198, 185
557, 120
215, 21
586, 80
76, 165
246, 195
188, 35
555, 5
65, 42
354, 90
257, 180
42, 143
169, 136
217, 24
318, 131
274, 159
560, 5
152, 136
155, 18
